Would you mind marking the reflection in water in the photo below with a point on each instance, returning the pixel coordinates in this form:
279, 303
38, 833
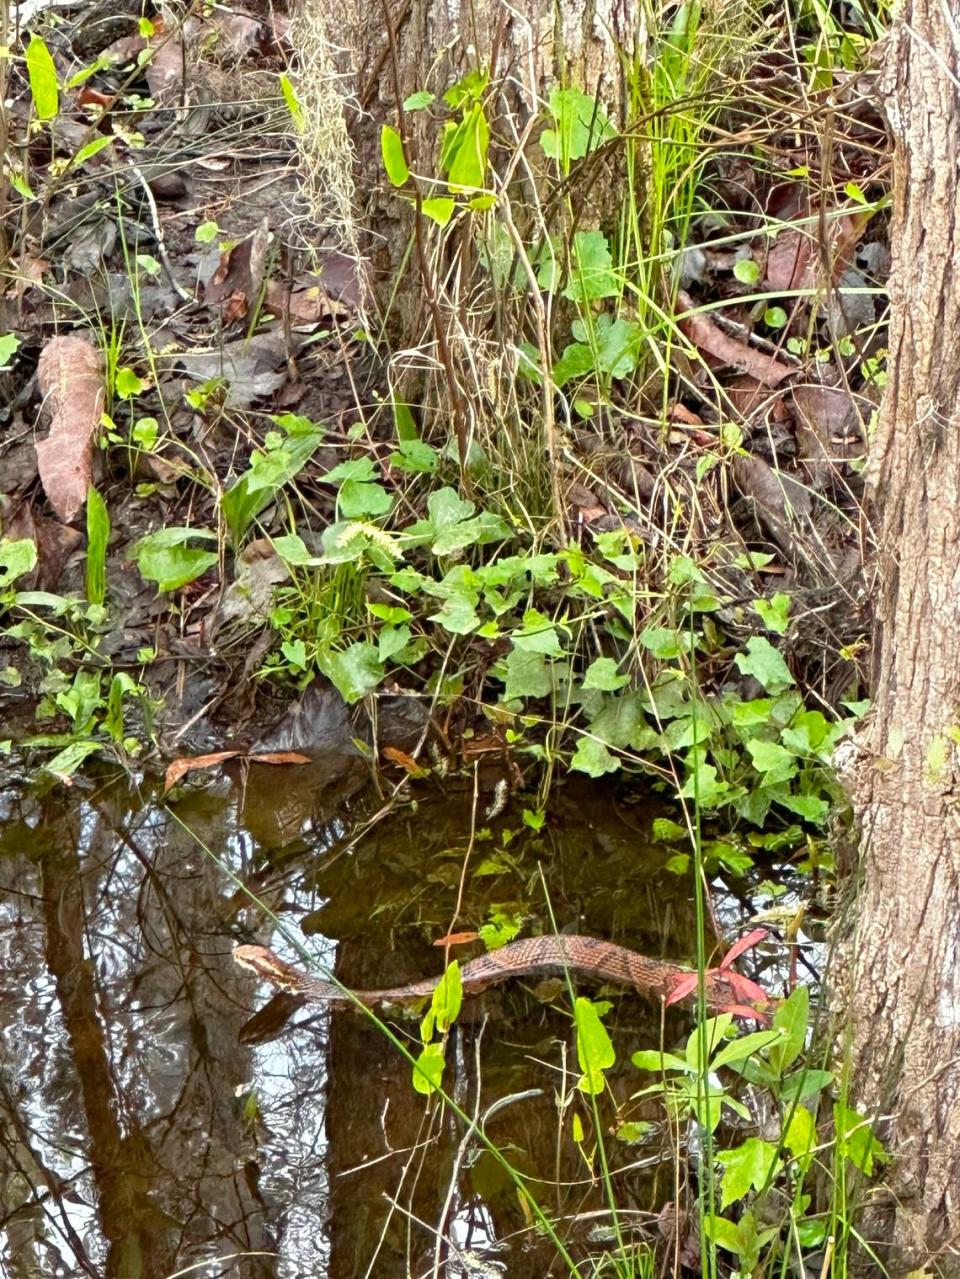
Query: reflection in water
139, 1134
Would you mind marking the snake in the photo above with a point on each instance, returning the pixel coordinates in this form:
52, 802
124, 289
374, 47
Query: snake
579, 956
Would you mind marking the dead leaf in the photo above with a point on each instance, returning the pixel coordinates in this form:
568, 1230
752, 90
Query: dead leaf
70, 378
279, 757
406, 762
707, 335
239, 277
188, 763
457, 939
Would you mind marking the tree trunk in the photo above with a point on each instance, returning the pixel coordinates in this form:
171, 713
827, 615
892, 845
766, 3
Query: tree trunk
905, 993
379, 52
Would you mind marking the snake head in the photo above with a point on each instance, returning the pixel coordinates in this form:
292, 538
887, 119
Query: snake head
262, 961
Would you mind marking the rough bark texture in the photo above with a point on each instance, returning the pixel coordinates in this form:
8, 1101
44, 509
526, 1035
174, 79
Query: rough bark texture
378, 52
906, 971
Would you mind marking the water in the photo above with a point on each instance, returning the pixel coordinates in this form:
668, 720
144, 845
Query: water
141, 1136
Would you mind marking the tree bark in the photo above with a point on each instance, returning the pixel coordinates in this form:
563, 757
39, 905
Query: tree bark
905, 992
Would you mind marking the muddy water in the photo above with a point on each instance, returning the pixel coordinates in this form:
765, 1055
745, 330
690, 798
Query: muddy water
142, 1135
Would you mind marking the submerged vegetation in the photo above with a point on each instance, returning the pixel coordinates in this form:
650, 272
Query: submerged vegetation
603, 519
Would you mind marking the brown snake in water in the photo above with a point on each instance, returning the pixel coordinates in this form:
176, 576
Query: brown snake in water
587, 957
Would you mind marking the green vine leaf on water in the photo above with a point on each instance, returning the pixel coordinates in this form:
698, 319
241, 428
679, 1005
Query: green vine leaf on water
42, 74
595, 1052
765, 663
394, 161
746, 1167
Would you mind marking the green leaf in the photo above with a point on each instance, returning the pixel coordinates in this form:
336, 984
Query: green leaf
66, 762
775, 612
791, 1018
766, 664
98, 534
394, 161
428, 1071
92, 148
856, 1140
293, 102
538, 635
9, 344
464, 156
595, 1052
800, 1134
593, 758
269, 472
744, 1046
417, 101
206, 232
722, 1232
772, 759
746, 271
415, 457
804, 1083
447, 998
581, 125
357, 499
439, 209
17, 557
591, 268
355, 671
775, 317
457, 615
747, 1167
127, 384
602, 674
42, 74
527, 675
658, 1062
166, 558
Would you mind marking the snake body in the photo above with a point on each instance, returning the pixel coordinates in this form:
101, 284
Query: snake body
585, 957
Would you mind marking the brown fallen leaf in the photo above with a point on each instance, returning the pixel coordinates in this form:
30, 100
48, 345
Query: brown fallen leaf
457, 939
70, 377
238, 278
406, 762
189, 763
707, 335
278, 757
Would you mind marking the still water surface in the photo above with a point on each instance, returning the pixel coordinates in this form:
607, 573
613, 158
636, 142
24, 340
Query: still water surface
142, 1136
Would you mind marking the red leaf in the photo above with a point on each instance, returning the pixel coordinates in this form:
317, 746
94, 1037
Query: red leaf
685, 986
742, 946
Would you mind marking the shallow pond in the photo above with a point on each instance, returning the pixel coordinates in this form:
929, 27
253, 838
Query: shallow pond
142, 1134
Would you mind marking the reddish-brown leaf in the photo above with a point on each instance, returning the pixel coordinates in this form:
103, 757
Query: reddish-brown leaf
406, 762
457, 939
747, 942
70, 378
188, 763
707, 335
279, 757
